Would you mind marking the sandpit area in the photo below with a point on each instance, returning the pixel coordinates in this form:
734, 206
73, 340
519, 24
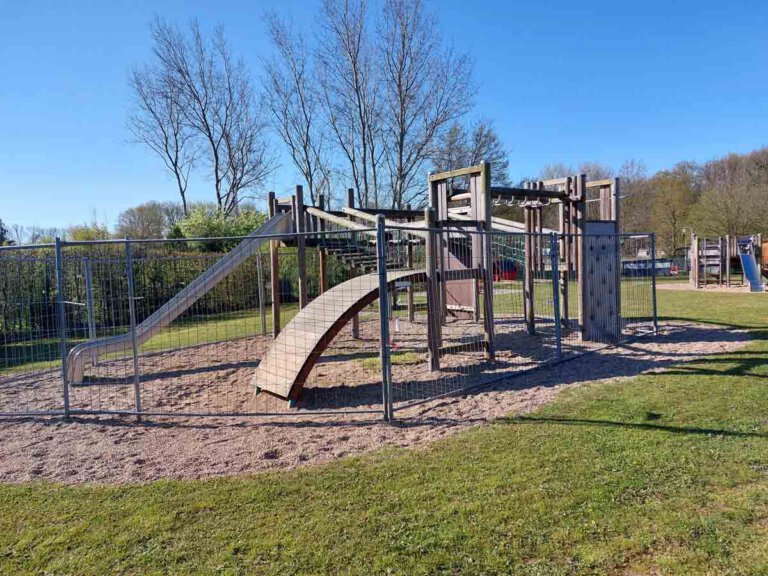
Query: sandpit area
115, 450
677, 286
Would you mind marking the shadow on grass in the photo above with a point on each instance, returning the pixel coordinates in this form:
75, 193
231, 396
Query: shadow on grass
756, 332
518, 420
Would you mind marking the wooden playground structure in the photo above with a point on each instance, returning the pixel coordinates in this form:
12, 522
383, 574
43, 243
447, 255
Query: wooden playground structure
345, 308
455, 235
720, 261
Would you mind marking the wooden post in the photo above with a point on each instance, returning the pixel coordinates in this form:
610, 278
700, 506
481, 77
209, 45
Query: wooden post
322, 254
438, 200
479, 214
301, 245
530, 317
580, 218
539, 223
705, 262
433, 301
274, 270
485, 208
693, 273
614, 197
573, 228
353, 271
565, 252
409, 292
537, 239
728, 261
720, 270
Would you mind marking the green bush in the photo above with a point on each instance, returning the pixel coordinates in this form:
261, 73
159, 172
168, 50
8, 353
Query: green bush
206, 222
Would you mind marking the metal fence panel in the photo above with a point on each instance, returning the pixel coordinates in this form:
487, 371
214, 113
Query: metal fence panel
431, 311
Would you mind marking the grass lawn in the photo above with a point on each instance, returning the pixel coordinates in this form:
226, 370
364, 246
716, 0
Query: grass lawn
43, 354
666, 473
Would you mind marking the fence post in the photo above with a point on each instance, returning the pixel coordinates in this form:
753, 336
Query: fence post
132, 317
262, 305
386, 367
554, 257
89, 299
653, 284
61, 314
434, 314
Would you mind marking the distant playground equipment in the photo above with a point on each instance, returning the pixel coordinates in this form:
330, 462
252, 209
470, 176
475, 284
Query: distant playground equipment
720, 261
461, 255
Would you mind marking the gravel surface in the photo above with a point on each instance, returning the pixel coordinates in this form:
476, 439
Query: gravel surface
117, 450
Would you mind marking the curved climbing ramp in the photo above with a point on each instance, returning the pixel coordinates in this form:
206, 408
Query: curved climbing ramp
298, 347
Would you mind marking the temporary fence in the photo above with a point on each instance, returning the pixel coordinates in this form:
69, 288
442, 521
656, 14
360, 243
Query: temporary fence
189, 327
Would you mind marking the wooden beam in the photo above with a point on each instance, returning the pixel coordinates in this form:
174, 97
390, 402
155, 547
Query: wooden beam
600, 183
410, 228
394, 213
468, 171
556, 181
512, 193
340, 221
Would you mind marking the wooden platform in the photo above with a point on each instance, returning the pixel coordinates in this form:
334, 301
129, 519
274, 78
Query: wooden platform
298, 347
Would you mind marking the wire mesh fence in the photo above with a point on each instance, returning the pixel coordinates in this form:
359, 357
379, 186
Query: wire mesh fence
331, 321
502, 312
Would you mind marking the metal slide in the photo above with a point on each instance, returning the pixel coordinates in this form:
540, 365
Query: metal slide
751, 272
180, 303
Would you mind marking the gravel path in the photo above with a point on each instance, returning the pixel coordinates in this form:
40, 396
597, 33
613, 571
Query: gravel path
116, 450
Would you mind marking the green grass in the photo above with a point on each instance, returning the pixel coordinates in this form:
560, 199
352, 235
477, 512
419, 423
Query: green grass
229, 326
45, 354
664, 474
396, 358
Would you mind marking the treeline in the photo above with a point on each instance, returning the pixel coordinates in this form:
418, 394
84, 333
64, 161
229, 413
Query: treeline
153, 220
28, 285
726, 195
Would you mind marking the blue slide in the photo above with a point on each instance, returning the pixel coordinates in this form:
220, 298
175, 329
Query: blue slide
751, 273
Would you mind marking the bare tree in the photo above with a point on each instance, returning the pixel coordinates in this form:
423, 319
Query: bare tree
147, 220
425, 88
350, 92
595, 170
159, 123
485, 144
735, 190
671, 208
5, 234
217, 101
636, 196
459, 147
18, 233
450, 150
295, 107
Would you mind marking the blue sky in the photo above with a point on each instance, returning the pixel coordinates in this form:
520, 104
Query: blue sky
564, 82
